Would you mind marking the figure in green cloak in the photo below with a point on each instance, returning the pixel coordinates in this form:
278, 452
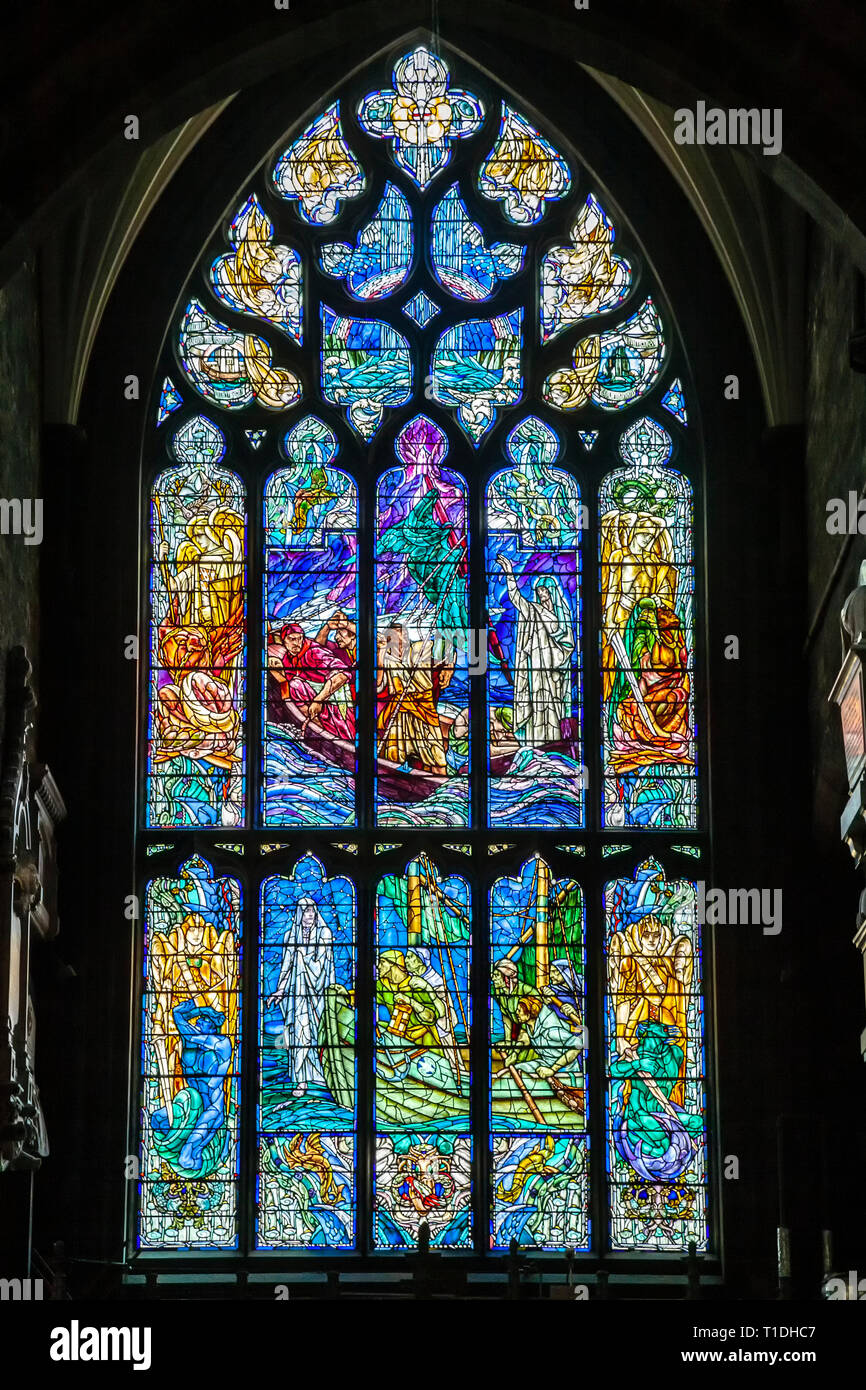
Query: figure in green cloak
432, 561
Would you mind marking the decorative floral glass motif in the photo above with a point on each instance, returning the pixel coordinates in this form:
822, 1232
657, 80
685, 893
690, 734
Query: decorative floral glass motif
538, 1042
654, 1027
614, 369
422, 647
197, 645
190, 1065
674, 401
307, 1063
422, 1059
170, 399
232, 368
421, 309
310, 614
462, 263
318, 171
366, 366
587, 438
534, 520
421, 115
476, 367
523, 171
647, 638
382, 257
255, 438
583, 279
258, 278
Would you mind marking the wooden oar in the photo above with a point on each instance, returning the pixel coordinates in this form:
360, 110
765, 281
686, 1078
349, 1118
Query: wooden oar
536, 1113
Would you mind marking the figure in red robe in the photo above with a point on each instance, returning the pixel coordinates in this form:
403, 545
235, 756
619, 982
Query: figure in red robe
314, 676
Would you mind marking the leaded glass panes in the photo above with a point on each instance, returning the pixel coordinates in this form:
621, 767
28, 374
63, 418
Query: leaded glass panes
538, 1108
230, 368
415, 383
462, 263
656, 1145
534, 522
256, 277
613, 369
196, 762
366, 366
169, 400
477, 368
421, 115
307, 1060
647, 637
318, 171
421, 309
310, 616
190, 1061
674, 401
381, 258
422, 648
523, 171
585, 278
423, 1062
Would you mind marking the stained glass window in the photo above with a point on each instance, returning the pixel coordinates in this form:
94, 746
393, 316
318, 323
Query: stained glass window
523, 170
307, 1097
538, 1101
381, 258
674, 401
585, 278
310, 603
647, 636
476, 367
196, 755
258, 278
534, 521
421, 115
656, 1159
464, 266
190, 1062
405, 432
422, 648
231, 368
318, 171
423, 1059
612, 369
366, 365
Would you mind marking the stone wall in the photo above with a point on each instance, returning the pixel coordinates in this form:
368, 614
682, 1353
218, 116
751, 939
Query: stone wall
20, 395
832, 985
835, 465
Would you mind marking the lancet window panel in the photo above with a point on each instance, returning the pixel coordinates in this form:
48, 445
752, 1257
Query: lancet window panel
654, 1021
423, 1059
310, 619
539, 1174
191, 1036
307, 1111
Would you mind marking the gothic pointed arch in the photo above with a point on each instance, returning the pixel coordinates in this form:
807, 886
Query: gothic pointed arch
421, 468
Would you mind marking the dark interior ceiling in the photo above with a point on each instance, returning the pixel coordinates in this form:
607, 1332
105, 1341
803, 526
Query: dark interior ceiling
74, 70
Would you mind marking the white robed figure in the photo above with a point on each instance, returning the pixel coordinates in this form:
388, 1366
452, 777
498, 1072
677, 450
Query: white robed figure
307, 971
543, 647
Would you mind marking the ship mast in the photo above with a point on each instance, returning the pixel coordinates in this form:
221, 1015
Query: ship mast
542, 918
413, 917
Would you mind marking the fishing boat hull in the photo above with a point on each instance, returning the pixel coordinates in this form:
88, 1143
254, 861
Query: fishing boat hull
395, 783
